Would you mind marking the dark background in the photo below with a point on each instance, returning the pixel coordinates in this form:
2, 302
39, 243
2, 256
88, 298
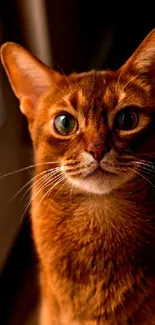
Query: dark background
84, 34
80, 35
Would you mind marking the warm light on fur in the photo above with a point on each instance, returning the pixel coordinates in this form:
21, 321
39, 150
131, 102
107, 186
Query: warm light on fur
93, 198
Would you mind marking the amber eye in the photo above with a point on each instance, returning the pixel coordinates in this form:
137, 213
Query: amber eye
126, 120
65, 124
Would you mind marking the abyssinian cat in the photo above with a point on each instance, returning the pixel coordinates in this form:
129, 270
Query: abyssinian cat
93, 197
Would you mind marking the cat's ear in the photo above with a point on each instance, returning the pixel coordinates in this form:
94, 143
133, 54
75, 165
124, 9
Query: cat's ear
29, 78
142, 61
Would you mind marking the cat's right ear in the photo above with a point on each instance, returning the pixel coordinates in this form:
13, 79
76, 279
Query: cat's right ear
29, 78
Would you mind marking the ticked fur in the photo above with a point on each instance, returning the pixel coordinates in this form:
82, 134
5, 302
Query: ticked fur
93, 198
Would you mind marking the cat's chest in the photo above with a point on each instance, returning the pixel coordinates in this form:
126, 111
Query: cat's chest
88, 250
86, 236
86, 227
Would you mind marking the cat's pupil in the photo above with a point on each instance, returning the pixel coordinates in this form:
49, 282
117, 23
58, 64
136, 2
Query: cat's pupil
65, 122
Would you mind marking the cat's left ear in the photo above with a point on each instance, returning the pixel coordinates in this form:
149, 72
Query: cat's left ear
142, 62
29, 77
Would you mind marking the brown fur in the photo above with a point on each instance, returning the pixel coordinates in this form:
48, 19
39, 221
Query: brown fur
96, 250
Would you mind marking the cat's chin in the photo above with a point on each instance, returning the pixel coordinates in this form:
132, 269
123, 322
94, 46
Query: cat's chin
98, 185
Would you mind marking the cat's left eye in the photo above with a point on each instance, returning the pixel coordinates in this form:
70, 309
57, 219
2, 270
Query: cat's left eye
65, 124
126, 120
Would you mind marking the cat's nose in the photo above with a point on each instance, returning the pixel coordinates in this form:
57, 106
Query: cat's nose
97, 150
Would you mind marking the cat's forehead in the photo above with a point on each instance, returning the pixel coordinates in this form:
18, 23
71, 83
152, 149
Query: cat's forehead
97, 91
108, 90
89, 91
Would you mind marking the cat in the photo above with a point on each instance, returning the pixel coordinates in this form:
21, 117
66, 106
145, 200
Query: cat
93, 197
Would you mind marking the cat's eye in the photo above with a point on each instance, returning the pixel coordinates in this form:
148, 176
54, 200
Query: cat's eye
65, 124
127, 120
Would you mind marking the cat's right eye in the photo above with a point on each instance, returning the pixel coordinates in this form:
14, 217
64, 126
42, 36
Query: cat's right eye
65, 124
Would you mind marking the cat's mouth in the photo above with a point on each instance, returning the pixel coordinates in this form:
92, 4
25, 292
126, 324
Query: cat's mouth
101, 179
98, 181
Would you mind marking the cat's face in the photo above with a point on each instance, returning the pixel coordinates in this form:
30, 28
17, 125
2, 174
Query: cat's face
93, 130
94, 125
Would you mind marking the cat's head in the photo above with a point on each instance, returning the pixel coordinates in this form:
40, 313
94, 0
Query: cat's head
97, 125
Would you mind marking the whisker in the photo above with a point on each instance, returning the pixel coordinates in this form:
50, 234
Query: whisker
63, 74
38, 182
44, 183
57, 191
32, 179
147, 171
118, 80
146, 164
59, 89
23, 187
50, 179
43, 186
59, 181
60, 189
28, 203
145, 178
133, 78
28, 167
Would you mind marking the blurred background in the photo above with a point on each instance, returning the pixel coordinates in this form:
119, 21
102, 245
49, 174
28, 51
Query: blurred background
73, 36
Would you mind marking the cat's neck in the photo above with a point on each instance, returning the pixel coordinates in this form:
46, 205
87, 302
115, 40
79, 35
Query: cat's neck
120, 217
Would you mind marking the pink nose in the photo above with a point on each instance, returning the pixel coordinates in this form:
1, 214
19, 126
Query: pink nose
96, 150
